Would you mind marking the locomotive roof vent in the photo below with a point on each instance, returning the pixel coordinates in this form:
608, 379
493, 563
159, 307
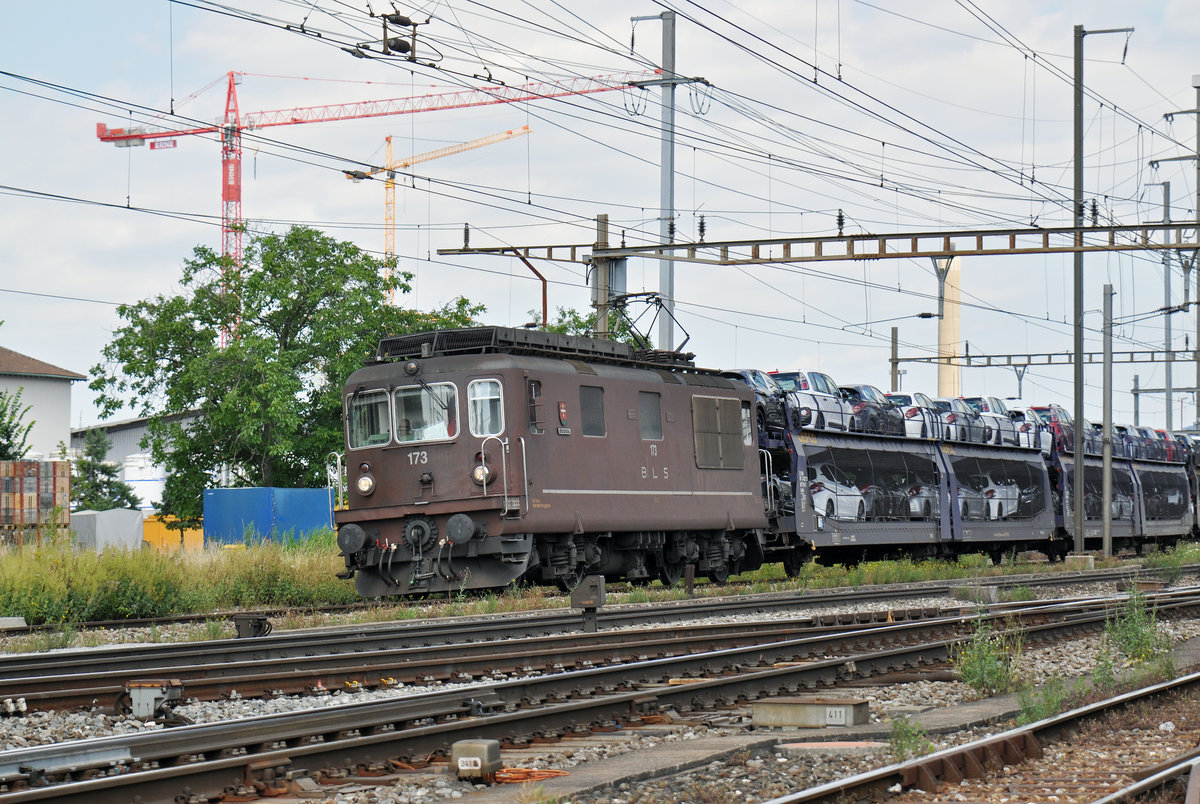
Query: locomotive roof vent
482, 340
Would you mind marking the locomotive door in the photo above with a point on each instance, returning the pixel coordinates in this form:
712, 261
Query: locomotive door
498, 448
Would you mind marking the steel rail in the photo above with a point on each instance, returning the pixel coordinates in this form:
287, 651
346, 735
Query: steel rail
105, 687
350, 638
373, 732
415, 665
1185, 770
969, 760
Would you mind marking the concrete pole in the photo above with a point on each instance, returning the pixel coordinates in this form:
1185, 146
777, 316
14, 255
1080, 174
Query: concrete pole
666, 268
895, 359
949, 274
1106, 425
600, 266
1137, 403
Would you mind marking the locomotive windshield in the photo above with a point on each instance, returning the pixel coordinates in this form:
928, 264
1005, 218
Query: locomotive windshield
367, 420
426, 412
486, 410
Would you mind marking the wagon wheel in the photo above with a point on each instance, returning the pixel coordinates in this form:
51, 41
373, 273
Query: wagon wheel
719, 575
794, 561
669, 572
567, 583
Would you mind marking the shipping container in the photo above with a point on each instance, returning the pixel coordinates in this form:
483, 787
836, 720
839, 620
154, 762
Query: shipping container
30, 491
157, 534
233, 515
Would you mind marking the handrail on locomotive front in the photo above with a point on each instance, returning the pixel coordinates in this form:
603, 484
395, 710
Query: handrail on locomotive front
503, 465
769, 473
336, 481
524, 473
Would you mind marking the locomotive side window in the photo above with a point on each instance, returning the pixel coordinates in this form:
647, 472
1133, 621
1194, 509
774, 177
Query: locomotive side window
650, 415
426, 412
367, 420
591, 410
719, 426
536, 425
485, 407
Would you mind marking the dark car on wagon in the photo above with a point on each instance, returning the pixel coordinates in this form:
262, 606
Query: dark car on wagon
872, 411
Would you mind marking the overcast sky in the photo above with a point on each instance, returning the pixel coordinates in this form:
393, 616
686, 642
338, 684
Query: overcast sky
906, 116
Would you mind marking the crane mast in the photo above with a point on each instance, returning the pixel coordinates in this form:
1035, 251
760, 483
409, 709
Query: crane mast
389, 168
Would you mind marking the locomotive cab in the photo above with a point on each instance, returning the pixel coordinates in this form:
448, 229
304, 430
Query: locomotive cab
428, 468
476, 458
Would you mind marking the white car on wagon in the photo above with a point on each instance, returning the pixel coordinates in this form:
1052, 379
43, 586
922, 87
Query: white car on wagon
819, 393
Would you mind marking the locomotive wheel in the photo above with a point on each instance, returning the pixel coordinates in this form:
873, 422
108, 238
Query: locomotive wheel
669, 572
719, 576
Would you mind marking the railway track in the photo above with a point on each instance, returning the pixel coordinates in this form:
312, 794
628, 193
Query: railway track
378, 636
623, 615
372, 739
1121, 749
210, 671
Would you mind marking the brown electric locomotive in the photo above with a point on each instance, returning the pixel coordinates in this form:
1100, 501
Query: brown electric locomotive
481, 457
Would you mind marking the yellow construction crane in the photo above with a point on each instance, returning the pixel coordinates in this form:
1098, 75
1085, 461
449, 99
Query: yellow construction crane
391, 166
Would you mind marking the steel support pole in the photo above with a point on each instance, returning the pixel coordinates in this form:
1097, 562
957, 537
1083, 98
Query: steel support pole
1106, 454
1077, 204
1196, 84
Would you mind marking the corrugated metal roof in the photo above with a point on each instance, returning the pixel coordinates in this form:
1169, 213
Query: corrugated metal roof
25, 366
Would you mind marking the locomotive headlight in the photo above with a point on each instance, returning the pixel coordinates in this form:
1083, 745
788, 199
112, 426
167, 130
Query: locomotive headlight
366, 485
481, 474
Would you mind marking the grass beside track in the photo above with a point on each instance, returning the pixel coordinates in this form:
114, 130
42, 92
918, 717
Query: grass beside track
53, 583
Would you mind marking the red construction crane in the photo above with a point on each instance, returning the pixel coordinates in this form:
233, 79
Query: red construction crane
234, 123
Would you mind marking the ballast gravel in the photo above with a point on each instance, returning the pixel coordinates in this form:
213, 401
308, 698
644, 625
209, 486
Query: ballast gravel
745, 776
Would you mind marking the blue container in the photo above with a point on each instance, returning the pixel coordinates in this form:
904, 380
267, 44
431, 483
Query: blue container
232, 515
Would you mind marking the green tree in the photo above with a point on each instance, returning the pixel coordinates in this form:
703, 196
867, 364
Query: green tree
94, 483
14, 433
303, 311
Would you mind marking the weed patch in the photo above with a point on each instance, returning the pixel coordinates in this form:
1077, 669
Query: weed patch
987, 661
907, 739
